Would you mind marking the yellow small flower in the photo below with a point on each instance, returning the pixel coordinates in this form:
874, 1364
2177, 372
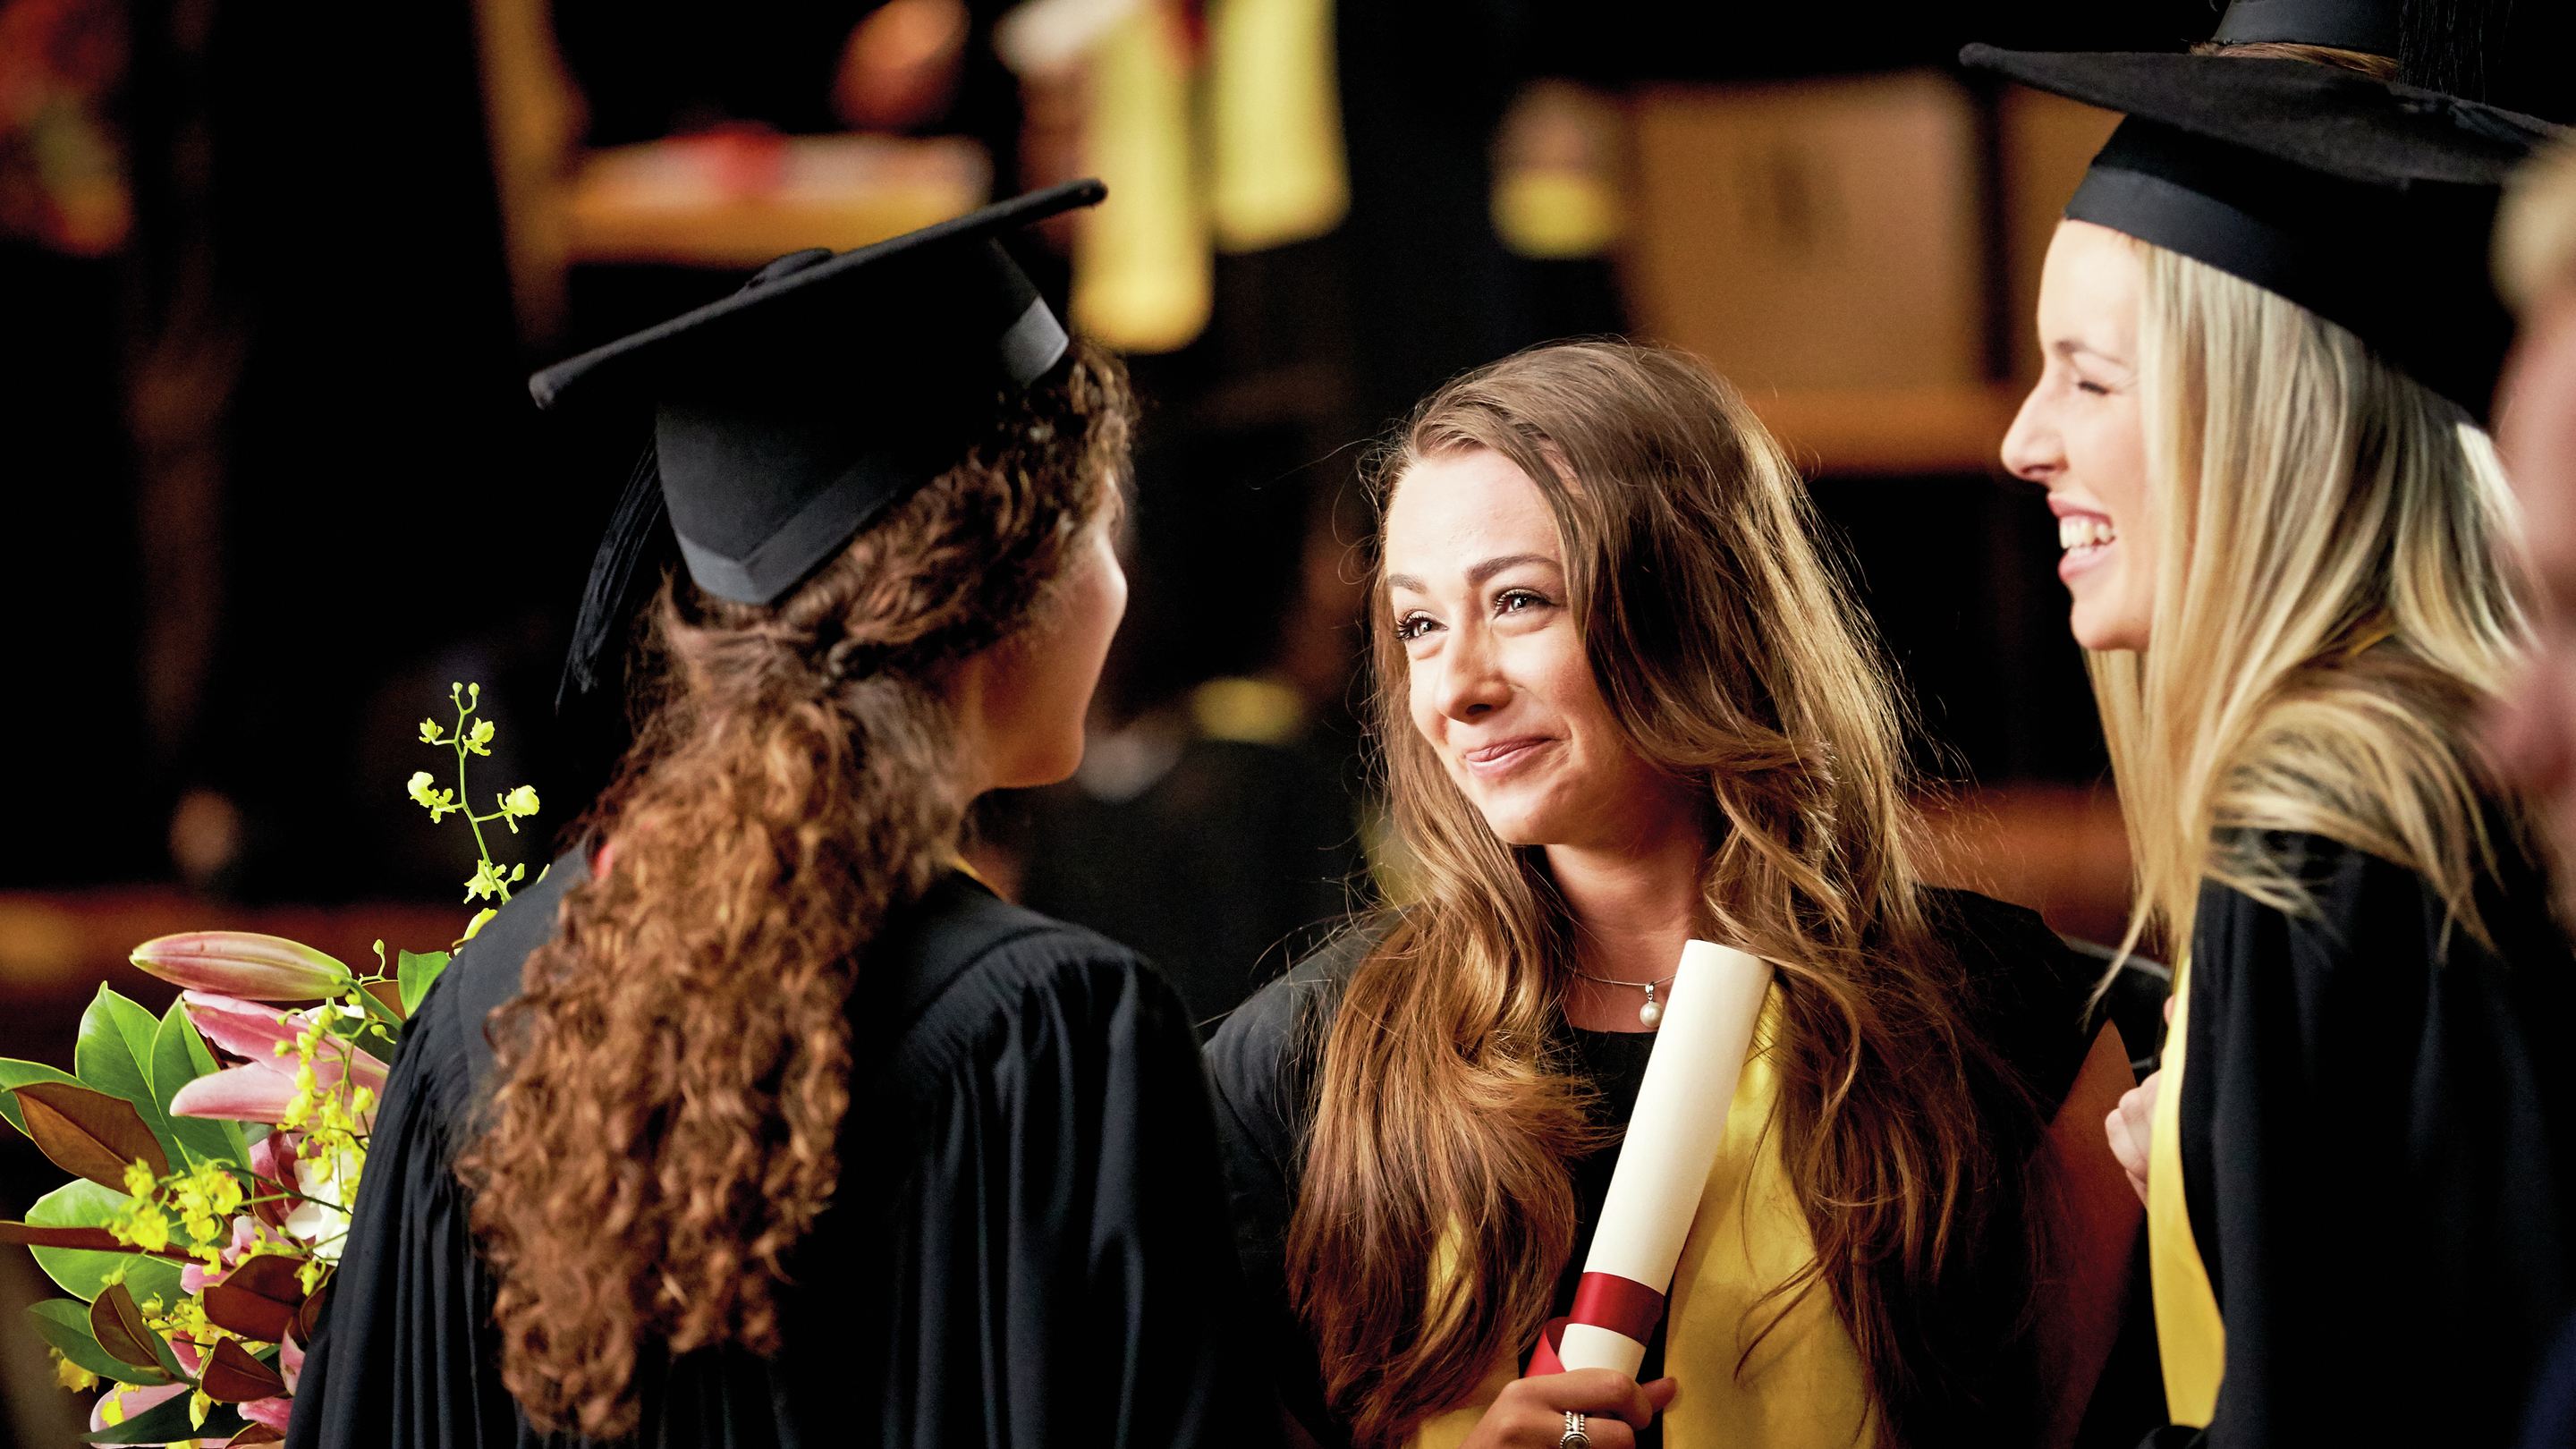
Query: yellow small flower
71, 1375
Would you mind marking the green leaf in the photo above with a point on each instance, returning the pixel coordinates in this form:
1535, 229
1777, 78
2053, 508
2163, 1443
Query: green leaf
112, 1054
81, 1272
168, 1420
64, 1323
417, 974
15, 1074
179, 1056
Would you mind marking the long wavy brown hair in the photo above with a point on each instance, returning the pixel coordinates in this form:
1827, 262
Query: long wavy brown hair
1437, 1208
676, 1065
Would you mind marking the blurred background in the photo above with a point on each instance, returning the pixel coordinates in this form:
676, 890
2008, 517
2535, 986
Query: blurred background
272, 276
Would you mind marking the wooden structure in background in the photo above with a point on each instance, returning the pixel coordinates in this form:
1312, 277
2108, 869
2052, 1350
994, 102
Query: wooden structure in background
1821, 243
737, 200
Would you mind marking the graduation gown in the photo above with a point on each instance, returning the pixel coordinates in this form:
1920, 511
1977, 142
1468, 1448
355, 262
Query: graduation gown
1028, 1247
2030, 1000
2377, 1128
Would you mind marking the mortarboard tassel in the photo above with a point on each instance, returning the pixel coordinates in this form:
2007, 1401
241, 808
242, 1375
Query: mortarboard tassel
607, 600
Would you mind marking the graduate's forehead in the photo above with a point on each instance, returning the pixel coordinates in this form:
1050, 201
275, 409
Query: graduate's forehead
2088, 293
1462, 515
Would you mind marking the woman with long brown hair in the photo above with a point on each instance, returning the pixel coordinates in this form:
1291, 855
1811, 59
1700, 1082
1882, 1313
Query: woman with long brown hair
1623, 703
758, 1121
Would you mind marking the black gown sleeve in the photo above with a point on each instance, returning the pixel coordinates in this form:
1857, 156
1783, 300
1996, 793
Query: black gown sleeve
2375, 1138
1262, 1063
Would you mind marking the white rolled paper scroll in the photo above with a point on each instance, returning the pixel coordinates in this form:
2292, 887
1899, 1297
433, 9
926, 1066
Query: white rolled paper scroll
1672, 1140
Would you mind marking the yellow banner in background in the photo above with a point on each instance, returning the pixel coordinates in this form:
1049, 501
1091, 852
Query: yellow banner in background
1143, 273
1274, 123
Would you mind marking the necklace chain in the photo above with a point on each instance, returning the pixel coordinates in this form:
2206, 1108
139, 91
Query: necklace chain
1606, 981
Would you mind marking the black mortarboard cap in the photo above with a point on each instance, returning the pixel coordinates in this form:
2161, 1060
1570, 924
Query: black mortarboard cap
2370, 203
789, 415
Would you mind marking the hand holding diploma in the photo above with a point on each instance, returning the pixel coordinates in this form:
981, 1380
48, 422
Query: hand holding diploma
1672, 1140
1530, 1413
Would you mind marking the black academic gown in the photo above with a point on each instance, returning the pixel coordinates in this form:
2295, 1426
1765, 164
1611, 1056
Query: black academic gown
2378, 1132
1028, 1248
2030, 1000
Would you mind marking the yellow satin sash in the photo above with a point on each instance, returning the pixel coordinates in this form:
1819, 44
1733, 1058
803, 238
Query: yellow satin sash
1802, 1388
2190, 1337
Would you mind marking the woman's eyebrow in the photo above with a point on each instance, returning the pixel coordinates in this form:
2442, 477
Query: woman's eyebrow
1476, 575
1493, 566
2069, 347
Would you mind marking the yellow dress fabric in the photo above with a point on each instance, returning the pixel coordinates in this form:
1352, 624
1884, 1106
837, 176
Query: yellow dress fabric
1802, 1389
2189, 1336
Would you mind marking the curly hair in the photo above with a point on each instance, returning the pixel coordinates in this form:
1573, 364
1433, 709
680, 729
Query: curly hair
675, 1069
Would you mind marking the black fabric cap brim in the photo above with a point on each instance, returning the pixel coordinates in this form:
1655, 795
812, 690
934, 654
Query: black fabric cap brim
636, 364
2322, 118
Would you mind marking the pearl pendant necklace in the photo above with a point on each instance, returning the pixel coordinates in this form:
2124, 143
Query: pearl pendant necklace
1649, 1014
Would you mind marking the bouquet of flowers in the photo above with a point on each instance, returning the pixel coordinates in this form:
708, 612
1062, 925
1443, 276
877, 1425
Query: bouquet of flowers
217, 1150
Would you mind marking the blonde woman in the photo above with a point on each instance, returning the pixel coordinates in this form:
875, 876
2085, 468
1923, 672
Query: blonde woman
1624, 703
2269, 348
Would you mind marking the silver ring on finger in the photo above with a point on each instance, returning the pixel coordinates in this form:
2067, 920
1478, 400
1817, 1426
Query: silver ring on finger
1574, 1438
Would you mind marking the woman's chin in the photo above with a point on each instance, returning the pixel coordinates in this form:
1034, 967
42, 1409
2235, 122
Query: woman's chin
2099, 626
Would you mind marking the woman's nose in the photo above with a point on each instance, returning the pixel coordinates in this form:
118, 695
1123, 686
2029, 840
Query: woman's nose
1471, 676
2031, 450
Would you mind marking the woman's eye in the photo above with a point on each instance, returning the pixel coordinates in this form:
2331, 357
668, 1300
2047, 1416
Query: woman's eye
1414, 626
1516, 601
2095, 388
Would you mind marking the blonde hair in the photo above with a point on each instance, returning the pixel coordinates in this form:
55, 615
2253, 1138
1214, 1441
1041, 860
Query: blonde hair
2535, 245
1436, 1208
2333, 602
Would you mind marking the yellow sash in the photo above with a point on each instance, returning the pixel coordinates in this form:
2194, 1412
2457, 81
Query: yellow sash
1802, 1388
2189, 1335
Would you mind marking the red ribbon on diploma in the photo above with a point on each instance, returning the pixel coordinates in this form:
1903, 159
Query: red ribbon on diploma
1604, 1300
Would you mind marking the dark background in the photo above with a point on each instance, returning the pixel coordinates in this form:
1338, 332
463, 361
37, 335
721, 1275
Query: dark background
316, 266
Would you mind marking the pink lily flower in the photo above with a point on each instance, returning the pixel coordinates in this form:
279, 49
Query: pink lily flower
258, 1093
245, 963
260, 1089
248, 1233
272, 1158
272, 1411
290, 1364
132, 1402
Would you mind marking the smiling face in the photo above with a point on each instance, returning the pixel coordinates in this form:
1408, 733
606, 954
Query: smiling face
2082, 436
1497, 679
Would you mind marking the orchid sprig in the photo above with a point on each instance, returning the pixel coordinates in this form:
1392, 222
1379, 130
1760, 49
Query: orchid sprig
473, 736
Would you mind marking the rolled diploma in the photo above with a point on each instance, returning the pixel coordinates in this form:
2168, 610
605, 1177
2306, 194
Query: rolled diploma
1672, 1140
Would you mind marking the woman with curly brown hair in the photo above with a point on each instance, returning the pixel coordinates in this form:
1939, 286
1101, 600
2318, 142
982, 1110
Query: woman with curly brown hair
759, 1122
